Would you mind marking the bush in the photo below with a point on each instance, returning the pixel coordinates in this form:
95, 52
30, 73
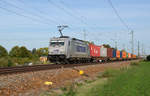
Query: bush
22, 52
3, 62
21, 61
3, 52
148, 58
6, 62
71, 91
42, 52
109, 73
14, 52
134, 63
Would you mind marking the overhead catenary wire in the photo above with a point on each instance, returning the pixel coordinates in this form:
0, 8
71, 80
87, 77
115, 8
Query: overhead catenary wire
64, 4
120, 18
16, 13
67, 12
37, 10
62, 8
84, 18
21, 1
123, 23
43, 19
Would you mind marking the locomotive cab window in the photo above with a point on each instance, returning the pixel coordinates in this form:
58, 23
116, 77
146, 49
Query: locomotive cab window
57, 43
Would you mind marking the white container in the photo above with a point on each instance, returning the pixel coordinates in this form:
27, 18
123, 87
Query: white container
103, 51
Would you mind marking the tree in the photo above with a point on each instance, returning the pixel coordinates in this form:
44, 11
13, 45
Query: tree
3, 52
42, 51
92, 42
106, 45
15, 51
20, 52
24, 52
123, 50
148, 58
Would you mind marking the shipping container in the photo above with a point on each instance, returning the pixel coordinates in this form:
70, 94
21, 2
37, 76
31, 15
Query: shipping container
114, 53
129, 55
133, 56
118, 54
110, 52
103, 51
124, 55
94, 50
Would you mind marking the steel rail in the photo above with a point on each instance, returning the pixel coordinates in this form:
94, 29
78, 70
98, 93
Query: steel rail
23, 69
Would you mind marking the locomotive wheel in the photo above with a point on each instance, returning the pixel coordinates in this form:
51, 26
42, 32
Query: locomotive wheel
57, 62
67, 62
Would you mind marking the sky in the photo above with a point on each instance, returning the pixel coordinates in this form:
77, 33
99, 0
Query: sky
32, 23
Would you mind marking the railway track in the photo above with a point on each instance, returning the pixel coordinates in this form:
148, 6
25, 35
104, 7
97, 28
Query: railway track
22, 69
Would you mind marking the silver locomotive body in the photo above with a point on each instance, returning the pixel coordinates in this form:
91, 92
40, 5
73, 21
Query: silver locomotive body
68, 50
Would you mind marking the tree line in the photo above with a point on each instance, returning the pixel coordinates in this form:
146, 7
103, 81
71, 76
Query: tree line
20, 55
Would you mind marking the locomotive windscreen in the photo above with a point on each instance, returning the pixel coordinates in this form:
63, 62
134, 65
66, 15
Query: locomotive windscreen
56, 43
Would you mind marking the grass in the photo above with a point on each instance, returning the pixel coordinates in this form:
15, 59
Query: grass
134, 63
109, 73
134, 82
83, 90
70, 91
128, 81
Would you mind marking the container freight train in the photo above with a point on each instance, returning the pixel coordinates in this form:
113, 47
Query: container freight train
71, 50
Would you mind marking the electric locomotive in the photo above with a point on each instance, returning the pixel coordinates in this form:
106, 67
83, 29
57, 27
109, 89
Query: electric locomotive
65, 49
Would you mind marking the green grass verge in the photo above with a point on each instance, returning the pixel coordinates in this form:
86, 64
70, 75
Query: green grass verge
84, 90
134, 82
128, 81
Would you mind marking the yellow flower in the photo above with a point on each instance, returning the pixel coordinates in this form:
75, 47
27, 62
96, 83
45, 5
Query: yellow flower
48, 83
81, 72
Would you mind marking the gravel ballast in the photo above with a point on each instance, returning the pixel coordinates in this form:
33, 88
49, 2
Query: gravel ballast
32, 83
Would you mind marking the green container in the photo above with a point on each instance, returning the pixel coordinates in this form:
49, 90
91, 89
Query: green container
127, 55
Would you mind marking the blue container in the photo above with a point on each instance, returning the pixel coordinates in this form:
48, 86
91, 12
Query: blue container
120, 54
114, 53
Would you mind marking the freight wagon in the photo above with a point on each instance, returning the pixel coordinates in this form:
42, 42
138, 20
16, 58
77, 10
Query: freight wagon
110, 54
118, 55
98, 53
133, 56
71, 50
114, 54
124, 55
129, 56
94, 52
121, 54
103, 54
